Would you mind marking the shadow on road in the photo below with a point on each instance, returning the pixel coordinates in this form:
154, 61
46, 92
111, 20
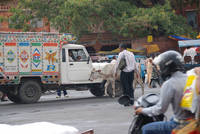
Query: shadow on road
61, 101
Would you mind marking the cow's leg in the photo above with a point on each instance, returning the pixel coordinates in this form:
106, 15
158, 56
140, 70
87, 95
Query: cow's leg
142, 86
142, 89
139, 81
113, 88
106, 88
135, 80
134, 83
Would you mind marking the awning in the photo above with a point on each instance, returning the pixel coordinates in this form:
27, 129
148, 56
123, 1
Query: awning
129, 49
103, 52
174, 37
189, 43
118, 50
152, 48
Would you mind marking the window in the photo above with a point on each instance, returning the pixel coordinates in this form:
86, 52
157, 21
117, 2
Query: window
192, 18
36, 23
10, 22
77, 55
63, 55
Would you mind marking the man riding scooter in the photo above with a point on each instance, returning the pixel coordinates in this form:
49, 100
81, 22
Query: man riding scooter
170, 67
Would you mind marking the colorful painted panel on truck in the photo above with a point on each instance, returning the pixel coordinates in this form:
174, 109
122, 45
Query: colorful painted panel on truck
1, 59
50, 58
10, 58
24, 58
36, 58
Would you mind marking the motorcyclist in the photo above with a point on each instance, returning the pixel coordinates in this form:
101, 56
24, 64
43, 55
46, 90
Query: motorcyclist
170, 66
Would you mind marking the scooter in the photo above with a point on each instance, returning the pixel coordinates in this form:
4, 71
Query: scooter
140, 120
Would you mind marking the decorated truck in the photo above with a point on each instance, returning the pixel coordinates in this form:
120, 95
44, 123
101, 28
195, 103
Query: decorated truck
32, 63
191, 53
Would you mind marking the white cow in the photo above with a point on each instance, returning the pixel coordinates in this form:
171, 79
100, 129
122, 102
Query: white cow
107, 73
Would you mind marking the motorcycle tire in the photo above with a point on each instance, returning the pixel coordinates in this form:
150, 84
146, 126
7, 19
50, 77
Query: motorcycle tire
135, 127
140, 120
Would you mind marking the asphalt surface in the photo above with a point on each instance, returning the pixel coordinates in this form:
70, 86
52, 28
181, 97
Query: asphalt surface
81, 110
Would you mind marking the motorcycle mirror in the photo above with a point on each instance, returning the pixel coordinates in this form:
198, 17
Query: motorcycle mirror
123, 100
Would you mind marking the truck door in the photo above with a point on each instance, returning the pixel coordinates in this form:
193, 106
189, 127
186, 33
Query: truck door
78, 68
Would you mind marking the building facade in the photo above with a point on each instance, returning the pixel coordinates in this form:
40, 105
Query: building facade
5, 5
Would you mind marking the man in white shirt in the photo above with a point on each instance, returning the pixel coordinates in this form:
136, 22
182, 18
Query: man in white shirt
127, 74
114, 60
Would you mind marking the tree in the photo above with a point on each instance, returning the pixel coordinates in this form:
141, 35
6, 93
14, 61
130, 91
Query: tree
97, 16
197, 4
180, 4
74, 16
158, 21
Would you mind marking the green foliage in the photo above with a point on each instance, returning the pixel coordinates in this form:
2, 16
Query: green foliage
1, 19
158, 20
97, 16
18, 20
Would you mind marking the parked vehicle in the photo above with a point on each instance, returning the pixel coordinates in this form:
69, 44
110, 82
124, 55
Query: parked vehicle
191, 53
32, 63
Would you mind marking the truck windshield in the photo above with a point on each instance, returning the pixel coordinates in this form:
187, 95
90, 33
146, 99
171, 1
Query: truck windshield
77, 55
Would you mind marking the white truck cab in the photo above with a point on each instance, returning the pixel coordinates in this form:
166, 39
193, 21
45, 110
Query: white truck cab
76, 65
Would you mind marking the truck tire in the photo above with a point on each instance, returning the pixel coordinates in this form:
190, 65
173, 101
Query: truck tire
30, 92
98, 91
14, 98
118, 89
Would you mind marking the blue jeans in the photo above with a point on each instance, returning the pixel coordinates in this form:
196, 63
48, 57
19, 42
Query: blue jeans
161, 127
59, 92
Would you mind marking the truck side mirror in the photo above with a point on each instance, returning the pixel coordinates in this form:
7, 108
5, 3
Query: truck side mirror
88, 60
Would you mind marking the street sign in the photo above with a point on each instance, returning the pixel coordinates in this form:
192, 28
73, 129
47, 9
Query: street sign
149, 38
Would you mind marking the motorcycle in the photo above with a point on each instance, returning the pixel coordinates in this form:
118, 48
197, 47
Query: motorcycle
140, 120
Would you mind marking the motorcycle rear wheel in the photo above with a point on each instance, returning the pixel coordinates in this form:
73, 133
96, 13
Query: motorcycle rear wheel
140, 120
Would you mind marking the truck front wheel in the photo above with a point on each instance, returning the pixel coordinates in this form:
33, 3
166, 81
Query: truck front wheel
30, 91
98, 90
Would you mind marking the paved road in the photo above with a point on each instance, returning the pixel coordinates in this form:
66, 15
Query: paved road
81, 110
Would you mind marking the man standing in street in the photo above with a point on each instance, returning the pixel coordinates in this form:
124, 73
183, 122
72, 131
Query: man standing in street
127, 74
